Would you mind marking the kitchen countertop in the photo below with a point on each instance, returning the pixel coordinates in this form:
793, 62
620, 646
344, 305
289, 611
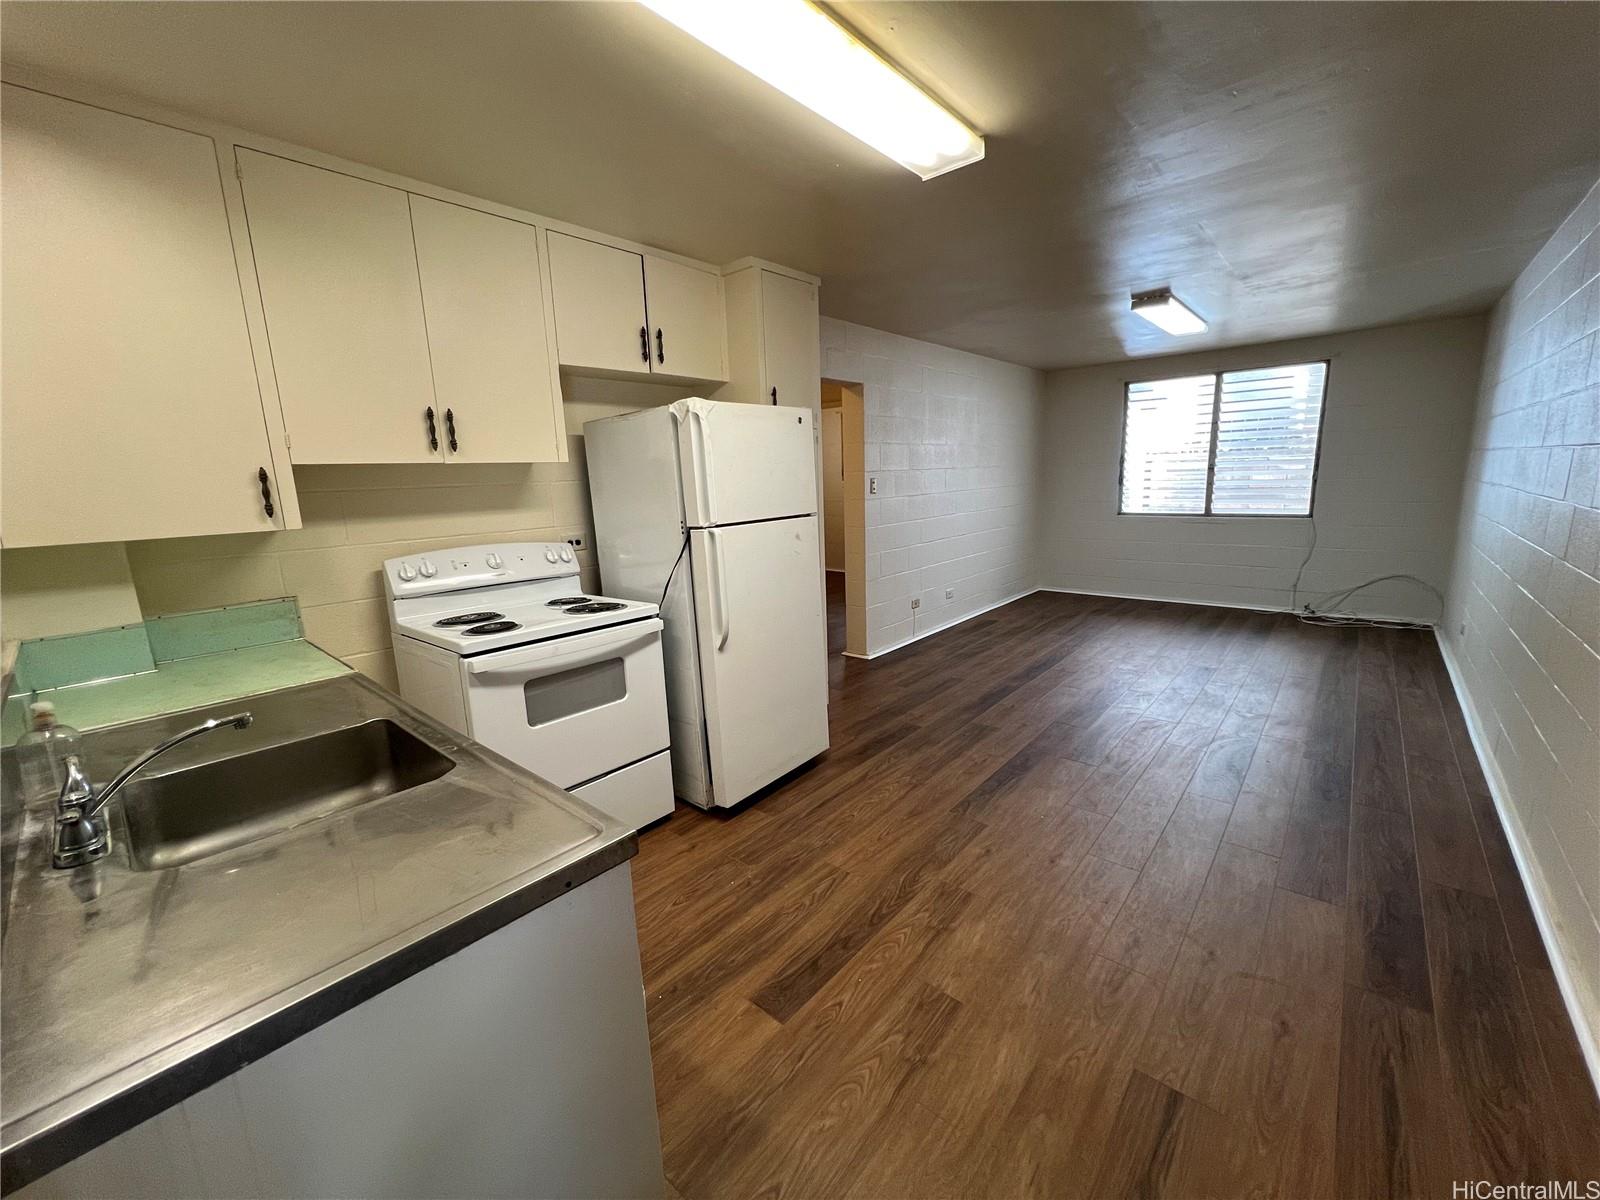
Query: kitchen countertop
128, 990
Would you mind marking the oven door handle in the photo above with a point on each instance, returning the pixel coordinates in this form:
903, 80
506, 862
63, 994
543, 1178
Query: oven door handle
559, 654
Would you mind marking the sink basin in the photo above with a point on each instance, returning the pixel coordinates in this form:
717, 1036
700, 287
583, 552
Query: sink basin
190, 814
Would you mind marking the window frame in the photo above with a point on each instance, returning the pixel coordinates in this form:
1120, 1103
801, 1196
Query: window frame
1216, 374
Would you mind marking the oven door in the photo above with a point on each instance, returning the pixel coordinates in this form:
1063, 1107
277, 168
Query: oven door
573, 708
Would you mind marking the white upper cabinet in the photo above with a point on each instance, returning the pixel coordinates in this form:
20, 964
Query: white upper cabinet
338, 275
494, 383
620, 312
599, 300
686, 326
131, 406
791, 340
774, 351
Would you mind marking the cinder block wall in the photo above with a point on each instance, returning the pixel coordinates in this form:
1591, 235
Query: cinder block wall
1522, 624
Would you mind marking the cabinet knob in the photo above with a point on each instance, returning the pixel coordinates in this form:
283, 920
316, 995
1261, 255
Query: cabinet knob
661, 351
774, 395
433, 430
450, 428
644, 343
266, 492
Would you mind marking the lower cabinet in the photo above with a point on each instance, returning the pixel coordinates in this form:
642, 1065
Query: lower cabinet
131, 406
518, 1066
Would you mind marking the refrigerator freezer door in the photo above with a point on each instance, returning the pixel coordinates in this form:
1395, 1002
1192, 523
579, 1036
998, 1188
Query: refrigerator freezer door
745, 462
638, 514
762, 651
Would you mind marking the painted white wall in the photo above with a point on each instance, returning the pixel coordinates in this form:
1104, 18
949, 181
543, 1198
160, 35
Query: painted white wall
1394, 439
950, 438
833, 488
1523, 626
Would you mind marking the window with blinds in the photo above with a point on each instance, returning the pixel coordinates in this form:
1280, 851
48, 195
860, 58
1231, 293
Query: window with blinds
1242, 443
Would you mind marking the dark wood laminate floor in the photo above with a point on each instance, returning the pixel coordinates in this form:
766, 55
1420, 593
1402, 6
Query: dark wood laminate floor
1109, 898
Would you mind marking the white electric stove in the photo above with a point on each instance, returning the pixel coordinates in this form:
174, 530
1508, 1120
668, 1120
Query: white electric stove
501, 643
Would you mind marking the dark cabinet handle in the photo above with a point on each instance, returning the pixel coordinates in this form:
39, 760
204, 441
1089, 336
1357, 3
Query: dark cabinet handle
661, 353
774, 395
266, 492
450, 428
644, 343
433, 431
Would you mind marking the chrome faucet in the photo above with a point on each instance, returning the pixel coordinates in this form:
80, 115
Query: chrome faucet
81, 836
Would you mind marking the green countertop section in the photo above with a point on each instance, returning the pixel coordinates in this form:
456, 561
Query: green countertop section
180, 684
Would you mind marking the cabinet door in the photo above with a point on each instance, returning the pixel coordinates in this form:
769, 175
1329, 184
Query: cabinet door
599, 298
790, 341
685, 306
486, 335
339, 285
131, 408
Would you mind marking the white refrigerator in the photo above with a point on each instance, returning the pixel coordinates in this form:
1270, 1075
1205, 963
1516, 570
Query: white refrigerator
709, 509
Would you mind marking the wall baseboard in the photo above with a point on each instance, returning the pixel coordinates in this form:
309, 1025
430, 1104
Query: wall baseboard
1260, 608
917, 637
1583, 1009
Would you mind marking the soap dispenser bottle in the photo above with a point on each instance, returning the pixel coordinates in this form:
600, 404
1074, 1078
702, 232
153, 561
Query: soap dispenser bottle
43, 750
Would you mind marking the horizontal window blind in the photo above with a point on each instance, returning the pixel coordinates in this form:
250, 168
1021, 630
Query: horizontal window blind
1267, 424
1240, 444
1166, 445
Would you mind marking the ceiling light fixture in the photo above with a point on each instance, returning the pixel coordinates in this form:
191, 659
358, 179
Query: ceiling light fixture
806, 55
1165, 311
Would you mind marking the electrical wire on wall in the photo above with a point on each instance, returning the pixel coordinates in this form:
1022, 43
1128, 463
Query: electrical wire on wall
1325, 610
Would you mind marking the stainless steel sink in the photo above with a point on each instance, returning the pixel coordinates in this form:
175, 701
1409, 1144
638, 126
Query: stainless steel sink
203, 810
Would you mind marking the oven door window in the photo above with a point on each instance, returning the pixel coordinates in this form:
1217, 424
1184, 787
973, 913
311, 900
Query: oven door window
551, 698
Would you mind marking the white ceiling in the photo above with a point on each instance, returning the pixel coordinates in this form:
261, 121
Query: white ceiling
1287, 169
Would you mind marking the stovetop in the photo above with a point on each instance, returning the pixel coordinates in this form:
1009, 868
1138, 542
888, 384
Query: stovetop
492, 618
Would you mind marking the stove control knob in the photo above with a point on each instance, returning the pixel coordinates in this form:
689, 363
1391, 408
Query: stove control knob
495, 562
550, 556
428, 569
566, 554
406, 572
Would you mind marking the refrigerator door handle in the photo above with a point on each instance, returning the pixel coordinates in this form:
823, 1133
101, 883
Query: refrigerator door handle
702, 461
719, 592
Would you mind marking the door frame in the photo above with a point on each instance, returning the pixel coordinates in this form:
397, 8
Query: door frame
850, 399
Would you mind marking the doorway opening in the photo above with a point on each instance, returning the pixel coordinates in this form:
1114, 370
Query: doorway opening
844, 533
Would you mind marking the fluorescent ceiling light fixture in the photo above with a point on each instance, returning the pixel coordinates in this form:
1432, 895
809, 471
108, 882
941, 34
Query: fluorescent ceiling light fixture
806, 55
1165, 311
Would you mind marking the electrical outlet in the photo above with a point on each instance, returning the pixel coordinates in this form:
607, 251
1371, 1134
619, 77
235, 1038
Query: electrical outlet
577, 541
916, 604
872, 485
949, 593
